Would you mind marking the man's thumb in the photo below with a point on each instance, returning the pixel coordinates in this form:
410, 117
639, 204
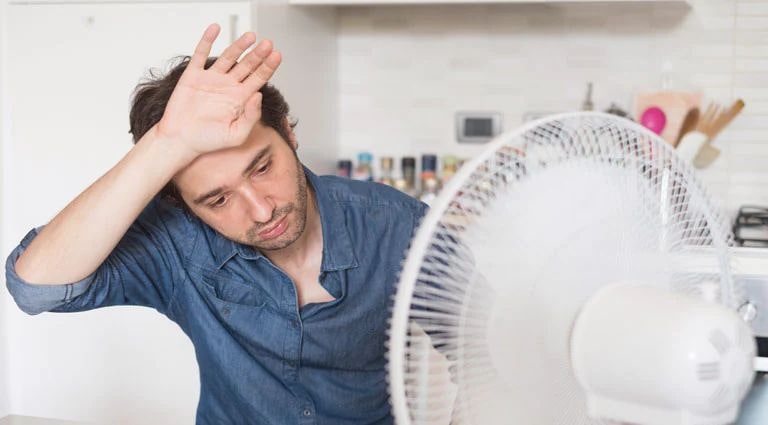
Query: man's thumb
252, 112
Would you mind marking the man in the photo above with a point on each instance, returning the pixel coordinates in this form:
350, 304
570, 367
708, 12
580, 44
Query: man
279, 277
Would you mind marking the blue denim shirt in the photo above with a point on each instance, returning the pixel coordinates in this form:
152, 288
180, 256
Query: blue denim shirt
262, 359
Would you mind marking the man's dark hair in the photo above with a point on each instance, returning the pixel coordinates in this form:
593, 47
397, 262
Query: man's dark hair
151, 97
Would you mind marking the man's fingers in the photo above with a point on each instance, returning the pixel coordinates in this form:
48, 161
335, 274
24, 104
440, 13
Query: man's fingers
252, 60
232, 53
264, 72
252, 111
203, 48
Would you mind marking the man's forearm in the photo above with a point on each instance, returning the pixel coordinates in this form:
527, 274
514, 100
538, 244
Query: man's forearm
82, 235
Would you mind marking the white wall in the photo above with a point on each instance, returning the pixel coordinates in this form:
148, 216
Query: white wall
405, 70
70, 73
308, 76
118, 365
4, 384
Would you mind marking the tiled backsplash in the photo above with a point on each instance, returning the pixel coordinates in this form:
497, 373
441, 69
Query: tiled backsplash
405, 71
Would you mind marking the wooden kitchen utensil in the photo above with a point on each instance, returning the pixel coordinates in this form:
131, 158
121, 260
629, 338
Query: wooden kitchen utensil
715, 118
689, 124
706, 156
713, 125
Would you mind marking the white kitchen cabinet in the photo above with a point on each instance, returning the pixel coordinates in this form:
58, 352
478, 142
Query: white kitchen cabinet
69, 73
71, 70
403, 2
68, 70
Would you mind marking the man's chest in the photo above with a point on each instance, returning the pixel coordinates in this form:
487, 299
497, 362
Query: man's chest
307, 284
228, 311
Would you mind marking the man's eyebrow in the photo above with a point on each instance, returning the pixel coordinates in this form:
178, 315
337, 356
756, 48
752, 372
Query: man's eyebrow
258, 157
210, 194
202, 198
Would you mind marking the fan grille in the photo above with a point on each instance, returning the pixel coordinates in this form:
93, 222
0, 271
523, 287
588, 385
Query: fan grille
515, 245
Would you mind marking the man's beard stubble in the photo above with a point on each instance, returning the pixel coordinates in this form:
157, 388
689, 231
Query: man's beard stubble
297, 228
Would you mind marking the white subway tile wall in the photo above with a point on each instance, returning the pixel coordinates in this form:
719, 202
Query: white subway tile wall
406, 70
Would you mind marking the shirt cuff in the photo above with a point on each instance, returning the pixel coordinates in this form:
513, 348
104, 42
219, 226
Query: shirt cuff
36, 299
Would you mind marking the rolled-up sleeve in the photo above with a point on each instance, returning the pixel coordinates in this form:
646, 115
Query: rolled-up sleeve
142, 269
36, 299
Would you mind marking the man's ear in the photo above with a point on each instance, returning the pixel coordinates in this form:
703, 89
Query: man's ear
291, 135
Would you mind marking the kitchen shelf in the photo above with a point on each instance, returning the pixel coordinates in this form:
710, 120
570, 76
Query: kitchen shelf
423, 2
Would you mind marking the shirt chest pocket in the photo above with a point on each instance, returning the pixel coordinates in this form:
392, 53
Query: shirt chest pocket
232, 290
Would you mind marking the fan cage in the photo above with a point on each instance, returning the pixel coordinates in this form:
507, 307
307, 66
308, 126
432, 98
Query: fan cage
440, 299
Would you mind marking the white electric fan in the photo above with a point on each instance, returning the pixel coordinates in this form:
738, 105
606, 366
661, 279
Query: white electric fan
573, 273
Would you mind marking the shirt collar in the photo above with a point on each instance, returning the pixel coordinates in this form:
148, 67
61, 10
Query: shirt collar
338, 251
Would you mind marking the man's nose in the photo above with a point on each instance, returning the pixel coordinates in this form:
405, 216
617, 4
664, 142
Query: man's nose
260, 207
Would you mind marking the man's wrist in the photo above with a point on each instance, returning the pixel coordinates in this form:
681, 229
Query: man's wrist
172, 149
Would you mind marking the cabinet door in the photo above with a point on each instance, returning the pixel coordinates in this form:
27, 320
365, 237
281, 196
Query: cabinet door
70, 70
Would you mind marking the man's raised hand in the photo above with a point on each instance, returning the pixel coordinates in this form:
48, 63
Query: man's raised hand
216, 108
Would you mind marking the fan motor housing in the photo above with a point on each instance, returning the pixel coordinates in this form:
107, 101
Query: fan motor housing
646, 355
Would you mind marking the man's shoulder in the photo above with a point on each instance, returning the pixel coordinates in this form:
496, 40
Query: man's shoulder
163, 215
364, 194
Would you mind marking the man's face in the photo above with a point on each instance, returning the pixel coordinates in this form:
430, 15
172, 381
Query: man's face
255, 194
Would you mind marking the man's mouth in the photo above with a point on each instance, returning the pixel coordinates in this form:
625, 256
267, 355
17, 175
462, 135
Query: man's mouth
275, 230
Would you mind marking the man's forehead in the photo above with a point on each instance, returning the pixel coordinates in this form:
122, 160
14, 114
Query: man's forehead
218, 167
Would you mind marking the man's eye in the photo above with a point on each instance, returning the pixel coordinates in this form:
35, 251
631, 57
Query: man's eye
263, 169
219, 202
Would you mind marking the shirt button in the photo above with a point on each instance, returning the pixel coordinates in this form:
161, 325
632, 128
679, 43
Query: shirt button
307, 412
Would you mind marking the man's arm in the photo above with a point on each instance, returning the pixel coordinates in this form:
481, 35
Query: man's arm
210, 109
